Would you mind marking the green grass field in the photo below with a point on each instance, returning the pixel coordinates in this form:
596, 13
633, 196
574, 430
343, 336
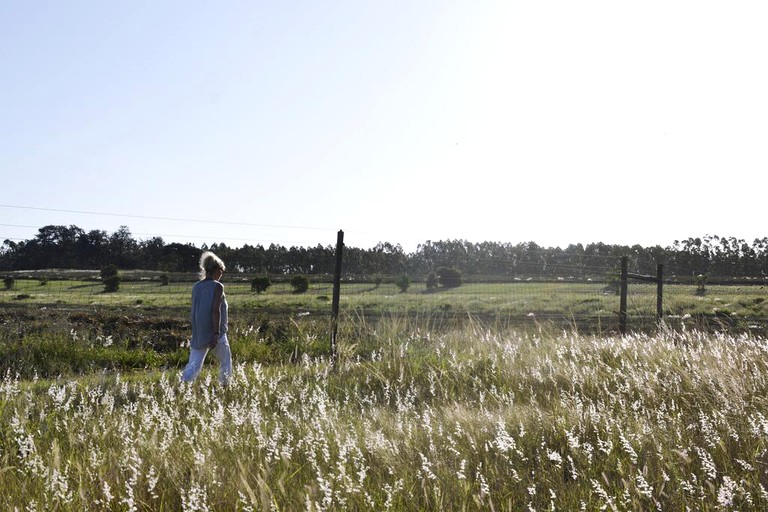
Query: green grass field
742, 305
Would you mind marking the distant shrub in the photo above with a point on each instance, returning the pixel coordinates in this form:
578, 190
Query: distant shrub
613, 284
431, 281
110, 276
300, 284
377, 280
403, 283
43, 280
449, 277
164, 279
9, 283
701, 285
260, 284
23, 296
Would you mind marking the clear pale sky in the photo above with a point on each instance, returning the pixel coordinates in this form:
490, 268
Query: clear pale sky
557, 122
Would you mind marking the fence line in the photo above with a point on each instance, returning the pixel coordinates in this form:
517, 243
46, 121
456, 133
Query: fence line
527, 300
585, 290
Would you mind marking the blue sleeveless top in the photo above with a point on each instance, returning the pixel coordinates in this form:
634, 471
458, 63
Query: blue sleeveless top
202, 312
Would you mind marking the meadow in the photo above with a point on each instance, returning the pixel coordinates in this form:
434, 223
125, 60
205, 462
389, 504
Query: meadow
434, 403
408, 419
581, 302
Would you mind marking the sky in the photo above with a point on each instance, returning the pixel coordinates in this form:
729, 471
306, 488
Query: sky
258, 122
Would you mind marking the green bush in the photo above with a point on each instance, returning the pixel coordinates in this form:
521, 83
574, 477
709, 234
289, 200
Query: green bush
403, 283
9, 283
164, 279
110, 276
300, 284
701, 285
449, 277
613, 284
260, 284
431, 281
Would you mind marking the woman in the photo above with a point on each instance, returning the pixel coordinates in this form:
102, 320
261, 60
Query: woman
209, 320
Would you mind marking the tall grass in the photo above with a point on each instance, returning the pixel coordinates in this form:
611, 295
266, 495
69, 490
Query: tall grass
409, 419
66, 343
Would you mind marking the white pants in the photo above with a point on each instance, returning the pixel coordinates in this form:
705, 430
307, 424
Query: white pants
197, 358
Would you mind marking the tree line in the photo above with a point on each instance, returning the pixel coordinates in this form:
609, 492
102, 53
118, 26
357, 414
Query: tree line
70, 247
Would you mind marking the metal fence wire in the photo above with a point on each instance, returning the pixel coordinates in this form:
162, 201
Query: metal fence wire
580, 293
526, 295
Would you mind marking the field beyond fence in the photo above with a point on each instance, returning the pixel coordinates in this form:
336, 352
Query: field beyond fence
591, 305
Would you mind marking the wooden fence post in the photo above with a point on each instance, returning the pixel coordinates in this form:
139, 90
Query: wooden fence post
336, 295
659, 293
623, 300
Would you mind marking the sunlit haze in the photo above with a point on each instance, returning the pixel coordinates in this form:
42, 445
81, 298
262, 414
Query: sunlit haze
283, 122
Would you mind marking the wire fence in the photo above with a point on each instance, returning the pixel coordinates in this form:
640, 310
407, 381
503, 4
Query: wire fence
589, 298
530, 291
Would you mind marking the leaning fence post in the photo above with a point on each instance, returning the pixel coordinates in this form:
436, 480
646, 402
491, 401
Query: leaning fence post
336, 295
623, 300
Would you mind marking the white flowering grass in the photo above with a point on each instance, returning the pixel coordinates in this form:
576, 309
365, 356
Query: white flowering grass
467, 420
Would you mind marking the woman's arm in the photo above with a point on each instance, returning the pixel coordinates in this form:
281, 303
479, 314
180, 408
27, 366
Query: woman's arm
218, 293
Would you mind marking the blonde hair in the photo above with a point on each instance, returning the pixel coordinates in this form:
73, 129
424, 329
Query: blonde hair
209, 262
